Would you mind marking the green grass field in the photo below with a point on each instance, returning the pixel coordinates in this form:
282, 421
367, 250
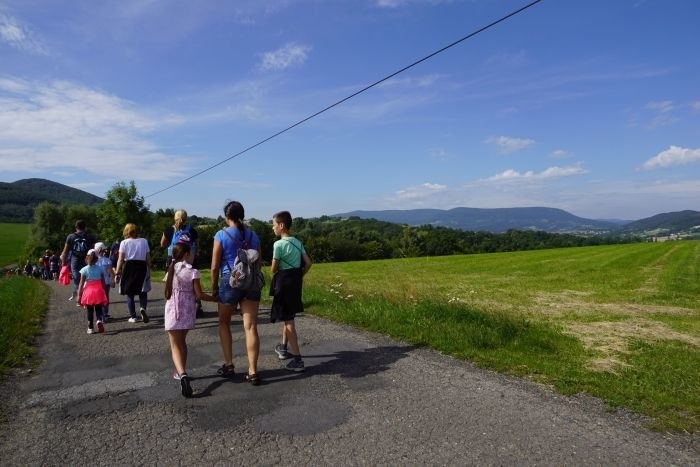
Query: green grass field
23, 302
14, 237
619, 322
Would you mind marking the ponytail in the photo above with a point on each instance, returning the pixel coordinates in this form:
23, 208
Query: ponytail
180, 250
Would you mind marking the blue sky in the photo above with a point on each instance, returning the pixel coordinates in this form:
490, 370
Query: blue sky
588, 106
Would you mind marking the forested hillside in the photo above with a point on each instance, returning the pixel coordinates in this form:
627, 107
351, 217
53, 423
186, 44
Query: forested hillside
18, 199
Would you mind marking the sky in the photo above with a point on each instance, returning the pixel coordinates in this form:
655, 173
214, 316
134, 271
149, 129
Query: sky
588, 106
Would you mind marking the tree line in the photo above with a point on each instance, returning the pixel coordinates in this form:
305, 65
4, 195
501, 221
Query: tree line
327, 239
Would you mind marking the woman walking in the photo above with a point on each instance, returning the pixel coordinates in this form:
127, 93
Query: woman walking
134, 271
226, 244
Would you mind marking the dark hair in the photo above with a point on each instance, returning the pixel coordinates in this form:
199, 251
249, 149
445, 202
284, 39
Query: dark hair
91, 257
283, 217
235, 212
80, 224
179, 252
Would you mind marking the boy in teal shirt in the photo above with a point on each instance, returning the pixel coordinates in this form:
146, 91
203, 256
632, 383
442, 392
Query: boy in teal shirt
289, 264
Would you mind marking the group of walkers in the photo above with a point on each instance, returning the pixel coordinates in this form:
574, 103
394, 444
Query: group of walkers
236, 253
47, 267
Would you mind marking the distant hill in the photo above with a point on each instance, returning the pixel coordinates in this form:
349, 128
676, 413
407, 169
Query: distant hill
18, 199
669, 222
492, 220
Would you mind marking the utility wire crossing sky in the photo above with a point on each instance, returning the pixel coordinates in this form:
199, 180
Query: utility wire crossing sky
591, 107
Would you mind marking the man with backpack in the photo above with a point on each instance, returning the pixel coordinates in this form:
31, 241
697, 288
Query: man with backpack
181, 232
74, 252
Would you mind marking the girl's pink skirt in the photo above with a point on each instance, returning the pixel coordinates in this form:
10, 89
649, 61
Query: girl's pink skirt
93, 294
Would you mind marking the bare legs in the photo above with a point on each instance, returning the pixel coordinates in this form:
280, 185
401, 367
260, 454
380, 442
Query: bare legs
289, 335
178, 349
249, 310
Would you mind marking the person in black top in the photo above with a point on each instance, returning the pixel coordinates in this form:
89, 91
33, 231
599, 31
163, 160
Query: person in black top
74, 252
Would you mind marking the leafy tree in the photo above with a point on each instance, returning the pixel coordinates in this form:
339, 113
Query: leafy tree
123, 205
52, 224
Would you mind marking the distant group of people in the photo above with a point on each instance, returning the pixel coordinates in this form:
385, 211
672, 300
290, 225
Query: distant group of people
236, 254
47, 267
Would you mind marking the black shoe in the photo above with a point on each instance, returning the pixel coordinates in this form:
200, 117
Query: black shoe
144, 316
185, 385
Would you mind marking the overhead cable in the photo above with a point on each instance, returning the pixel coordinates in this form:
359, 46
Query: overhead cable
366, 88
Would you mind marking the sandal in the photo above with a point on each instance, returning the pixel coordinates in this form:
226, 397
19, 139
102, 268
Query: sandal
226, 371
253, 379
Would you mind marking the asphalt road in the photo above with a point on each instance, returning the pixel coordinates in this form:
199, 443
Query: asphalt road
109, 399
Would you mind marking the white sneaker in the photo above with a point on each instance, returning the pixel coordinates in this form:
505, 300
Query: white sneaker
71, 297
90, 331
132, 320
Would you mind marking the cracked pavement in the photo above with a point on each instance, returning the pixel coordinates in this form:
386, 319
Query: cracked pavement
109, 399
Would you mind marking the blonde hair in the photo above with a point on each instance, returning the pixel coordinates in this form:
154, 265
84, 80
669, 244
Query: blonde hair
130, 230
180, 218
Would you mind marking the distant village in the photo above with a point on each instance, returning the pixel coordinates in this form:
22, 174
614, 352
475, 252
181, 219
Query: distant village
665, 235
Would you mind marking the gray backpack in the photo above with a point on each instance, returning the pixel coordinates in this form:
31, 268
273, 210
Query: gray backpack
246, 273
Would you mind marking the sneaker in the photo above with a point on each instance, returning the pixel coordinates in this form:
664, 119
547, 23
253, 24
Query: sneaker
90, 331
295, 365
176, 375
132, 320
144, 316
72, 296
100, 327
282, 352
185, 385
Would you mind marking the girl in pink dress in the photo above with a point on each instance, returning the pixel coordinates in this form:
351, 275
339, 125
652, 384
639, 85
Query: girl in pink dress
181, 288
91, 291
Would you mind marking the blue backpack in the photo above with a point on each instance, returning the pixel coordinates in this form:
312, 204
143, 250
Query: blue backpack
181, 236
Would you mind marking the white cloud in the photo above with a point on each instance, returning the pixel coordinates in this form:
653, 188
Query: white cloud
551, 172
60, 126
19, 36
560, 154
674, 155
399, 3
421, 191
507, 144
291, 54
661, 106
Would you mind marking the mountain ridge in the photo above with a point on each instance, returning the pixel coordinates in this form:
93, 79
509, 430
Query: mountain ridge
551, 220
19, 198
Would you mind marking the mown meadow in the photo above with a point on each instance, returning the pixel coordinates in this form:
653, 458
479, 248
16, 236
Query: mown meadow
619, 322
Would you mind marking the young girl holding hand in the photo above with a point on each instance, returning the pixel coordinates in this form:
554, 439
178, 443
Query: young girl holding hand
181, 288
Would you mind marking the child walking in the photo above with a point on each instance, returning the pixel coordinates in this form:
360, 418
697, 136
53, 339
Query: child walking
181, 288
91, 291
289, 264
105, 263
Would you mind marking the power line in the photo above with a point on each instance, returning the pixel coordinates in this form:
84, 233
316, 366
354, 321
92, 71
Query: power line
337, 103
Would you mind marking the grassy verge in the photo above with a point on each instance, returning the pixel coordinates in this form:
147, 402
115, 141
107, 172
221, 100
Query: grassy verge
618, 322
23, 302
14, 237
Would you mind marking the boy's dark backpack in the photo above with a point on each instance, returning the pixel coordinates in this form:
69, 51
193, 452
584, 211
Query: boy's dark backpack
80, 245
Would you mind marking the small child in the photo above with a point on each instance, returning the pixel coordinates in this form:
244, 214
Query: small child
181, 288
105, 263
289, 264
91, 291
54, 265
